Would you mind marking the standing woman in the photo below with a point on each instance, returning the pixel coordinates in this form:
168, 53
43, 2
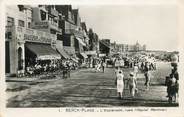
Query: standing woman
132, 84
147, 75
120, 83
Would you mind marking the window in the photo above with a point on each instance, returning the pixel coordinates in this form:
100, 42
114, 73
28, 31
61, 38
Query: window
8, 35
59, 37
21, 23
10, 21
43, 15
29, 24
50, 18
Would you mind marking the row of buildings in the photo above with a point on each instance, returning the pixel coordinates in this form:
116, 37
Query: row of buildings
45, 33
50, 32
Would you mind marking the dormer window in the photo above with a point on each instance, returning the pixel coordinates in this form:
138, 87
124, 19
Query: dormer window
21, 8
43, 15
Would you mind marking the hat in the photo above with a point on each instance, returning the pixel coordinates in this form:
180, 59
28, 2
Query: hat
131, 74
120, 71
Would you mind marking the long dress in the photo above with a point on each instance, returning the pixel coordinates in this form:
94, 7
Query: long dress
132, 85
120, 82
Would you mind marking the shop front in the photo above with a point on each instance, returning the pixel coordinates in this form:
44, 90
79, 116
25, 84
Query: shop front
30, 47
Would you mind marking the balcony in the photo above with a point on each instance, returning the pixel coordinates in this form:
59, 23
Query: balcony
46, 25
9, 28
53, 25
69, 27
53, 12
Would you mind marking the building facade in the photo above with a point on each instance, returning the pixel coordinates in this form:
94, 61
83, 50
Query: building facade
104, 46
23, 44
130, 48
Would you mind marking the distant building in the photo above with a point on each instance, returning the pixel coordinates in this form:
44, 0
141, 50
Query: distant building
104, 46
130, 48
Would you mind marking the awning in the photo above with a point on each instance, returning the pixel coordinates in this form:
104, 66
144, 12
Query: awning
80, 41
84, 55
43, 51
104, 44
90, 53
62, 51
75, 60
102, 55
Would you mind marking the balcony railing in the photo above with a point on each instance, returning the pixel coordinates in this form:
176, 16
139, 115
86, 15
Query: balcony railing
45, 25
9, 28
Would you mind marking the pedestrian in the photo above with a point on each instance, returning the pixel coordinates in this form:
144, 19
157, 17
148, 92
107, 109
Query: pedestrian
117, 69
132, 82
65, 70
173, 89
135, 69
68, 66
103, 66
120, 83
147, 76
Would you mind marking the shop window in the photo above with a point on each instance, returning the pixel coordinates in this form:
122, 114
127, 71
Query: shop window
20, 60
21, 23
10, 21
43, 15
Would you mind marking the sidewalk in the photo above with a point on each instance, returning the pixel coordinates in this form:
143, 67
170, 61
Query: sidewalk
38, 78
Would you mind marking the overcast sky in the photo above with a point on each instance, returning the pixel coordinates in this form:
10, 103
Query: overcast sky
153, 25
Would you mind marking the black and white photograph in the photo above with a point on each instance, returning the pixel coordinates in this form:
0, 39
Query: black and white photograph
75, 55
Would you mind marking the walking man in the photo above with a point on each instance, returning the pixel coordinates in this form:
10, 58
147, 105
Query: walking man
103, 66
147, 76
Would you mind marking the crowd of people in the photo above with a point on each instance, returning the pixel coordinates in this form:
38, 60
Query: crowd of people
144, 66
50, 66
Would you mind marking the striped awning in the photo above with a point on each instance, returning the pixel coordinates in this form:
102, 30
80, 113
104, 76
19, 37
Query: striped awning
43, 51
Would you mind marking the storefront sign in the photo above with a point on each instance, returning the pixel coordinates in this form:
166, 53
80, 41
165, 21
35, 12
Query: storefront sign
34, 35
35, 38
41, 25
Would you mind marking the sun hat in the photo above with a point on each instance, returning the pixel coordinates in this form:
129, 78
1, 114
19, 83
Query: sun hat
131, 74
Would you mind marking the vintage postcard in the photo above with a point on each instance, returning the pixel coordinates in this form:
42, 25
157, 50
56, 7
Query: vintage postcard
91, 58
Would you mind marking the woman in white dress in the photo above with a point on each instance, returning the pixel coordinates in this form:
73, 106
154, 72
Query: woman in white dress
120, 83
